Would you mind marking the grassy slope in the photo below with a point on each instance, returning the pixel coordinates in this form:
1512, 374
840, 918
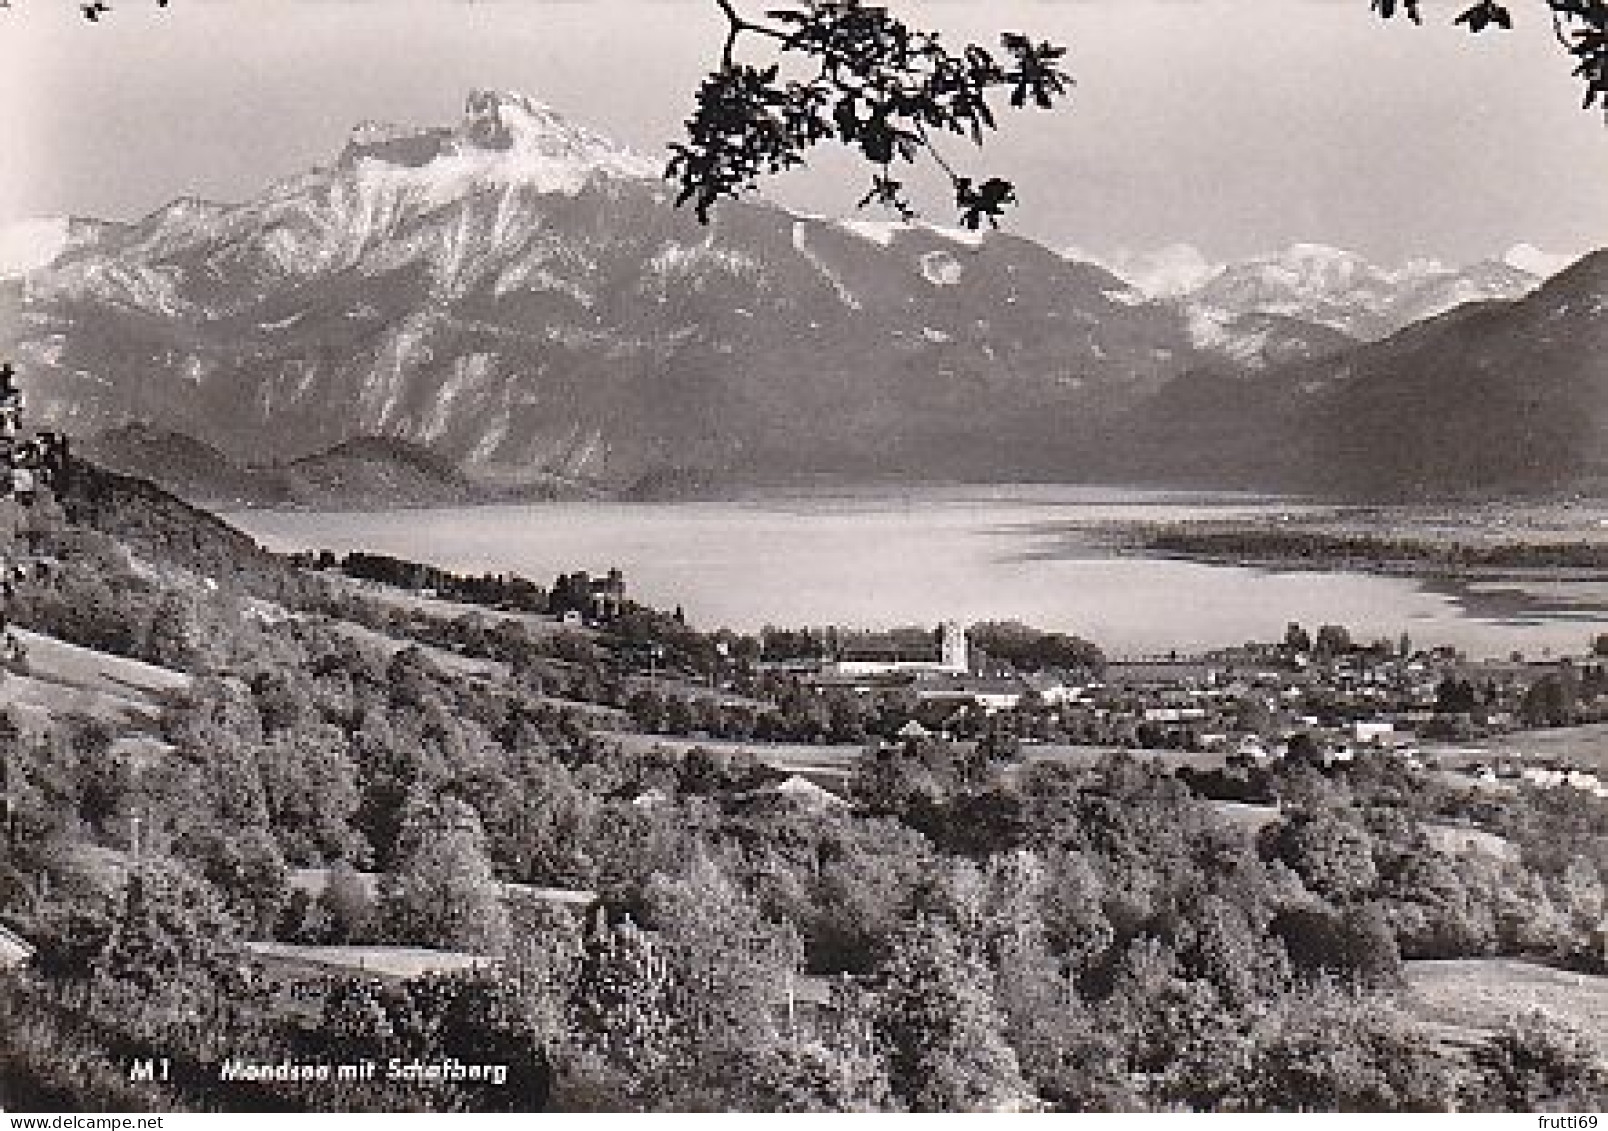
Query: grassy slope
73, 666
385, 961
62, 678
1463, 999
1581, 746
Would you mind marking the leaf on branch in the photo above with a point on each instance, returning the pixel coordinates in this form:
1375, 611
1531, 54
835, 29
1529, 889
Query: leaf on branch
886, 192
1580, 25
877, 86
987, 202
1486, 14
1388, 9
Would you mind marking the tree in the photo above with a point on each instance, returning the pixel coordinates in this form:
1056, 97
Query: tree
1455, 697
246, 868
1252, 715
1538, 1063
1550, 702
1031, 649
469, 1016
313, 794
1168, 1025
621, 1007
1328, 1049
1303, 750
171, 930
1332, 855
944, 1033
442, 893
346, 906
806, 1076
867, 80
1332, 640
1296, 639
730, 963
177, 636
1358, 944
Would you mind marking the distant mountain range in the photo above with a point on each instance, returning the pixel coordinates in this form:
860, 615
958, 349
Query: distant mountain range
515, 296
1334, 288
1488, 399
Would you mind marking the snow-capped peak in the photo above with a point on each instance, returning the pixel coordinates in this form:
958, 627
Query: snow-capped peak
541, 141
1167, 273
1320, 256
1312, 268
510, 109
504, 139
1336, 288
28, 245
1542, 264
506, 121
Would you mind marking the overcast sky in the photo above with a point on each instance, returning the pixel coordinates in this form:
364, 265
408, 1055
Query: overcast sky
1235, 126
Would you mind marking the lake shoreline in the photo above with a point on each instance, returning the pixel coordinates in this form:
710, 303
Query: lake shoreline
1332, 543
1071, 560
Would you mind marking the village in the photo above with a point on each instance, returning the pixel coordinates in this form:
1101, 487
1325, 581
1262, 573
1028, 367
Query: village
813, 699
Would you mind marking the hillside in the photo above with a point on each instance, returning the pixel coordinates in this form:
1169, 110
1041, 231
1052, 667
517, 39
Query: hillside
379, 472
364, 472
184, 465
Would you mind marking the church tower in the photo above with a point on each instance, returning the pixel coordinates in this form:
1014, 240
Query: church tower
957, 656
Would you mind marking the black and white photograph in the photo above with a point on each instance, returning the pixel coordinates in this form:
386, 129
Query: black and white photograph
803, 556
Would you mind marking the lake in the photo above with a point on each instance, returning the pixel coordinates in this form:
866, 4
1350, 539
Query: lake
882, 557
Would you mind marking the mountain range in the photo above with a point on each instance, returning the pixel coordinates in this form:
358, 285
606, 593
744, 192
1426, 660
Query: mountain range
1488, 399
516, 295
1343, 291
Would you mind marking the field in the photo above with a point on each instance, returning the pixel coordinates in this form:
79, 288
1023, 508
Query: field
538, 625
63, 678
794, 757
55, 660
831, 766
313, 881
1251, 818
1583, 747
1463, 999
383, 961
470, 666
1455, 840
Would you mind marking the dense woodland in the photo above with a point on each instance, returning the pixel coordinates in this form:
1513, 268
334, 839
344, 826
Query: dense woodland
966, 932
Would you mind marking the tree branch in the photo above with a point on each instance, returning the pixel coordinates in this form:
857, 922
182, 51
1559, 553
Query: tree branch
736, 25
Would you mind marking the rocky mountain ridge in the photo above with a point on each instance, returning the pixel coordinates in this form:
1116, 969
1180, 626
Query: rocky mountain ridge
516, 295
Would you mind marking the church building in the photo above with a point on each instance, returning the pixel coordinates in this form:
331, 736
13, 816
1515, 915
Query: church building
908, 651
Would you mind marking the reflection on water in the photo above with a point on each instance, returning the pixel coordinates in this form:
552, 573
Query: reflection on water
919, 556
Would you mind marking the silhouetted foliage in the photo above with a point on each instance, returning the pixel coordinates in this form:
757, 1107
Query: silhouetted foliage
867, 80
1581, 26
